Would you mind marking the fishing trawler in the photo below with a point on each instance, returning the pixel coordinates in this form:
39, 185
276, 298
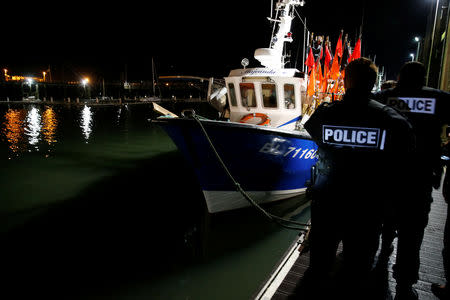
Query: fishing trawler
261, 144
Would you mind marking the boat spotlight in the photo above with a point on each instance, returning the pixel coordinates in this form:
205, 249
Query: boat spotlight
245, 62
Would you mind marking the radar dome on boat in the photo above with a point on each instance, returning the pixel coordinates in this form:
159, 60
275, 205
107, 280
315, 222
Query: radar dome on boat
268, 57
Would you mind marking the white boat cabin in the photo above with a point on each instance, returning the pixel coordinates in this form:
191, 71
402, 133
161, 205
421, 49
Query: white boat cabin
265, 97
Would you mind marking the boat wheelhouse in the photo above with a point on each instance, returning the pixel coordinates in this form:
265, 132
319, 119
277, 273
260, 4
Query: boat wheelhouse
259, 95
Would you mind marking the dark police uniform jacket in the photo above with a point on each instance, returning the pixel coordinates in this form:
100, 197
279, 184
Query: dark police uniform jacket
363, 146
427, 110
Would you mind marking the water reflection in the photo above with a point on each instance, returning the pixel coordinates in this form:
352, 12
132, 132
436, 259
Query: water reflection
33, 128
13, 129
119, 112
86, 122
25, 129
49, 125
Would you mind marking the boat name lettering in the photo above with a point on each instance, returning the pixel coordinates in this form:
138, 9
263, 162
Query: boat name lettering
259, 72
353, 136
291, 152
414, 105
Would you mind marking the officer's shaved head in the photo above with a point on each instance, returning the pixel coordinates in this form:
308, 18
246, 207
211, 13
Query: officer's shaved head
360, 74
412, 75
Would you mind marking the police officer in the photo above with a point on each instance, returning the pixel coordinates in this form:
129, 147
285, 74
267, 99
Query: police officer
427, 110
358, 139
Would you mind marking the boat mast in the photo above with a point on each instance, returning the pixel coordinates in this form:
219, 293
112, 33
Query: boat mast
153, 77
273, 56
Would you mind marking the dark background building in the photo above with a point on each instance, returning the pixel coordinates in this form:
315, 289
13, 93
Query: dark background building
435, 48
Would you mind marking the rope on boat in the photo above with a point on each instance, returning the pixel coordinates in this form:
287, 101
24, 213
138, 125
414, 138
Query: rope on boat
280, 221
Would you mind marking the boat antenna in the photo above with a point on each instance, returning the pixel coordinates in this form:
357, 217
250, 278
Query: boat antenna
305, 30
273, 56
153, 77
273, 28
362, 23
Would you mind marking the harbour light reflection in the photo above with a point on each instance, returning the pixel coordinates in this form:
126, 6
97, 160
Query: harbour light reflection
86, 122
33, 128
119, 111
13, 129
49, 125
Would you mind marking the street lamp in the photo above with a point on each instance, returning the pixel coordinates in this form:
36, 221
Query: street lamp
417, 40
412, 56
85, 81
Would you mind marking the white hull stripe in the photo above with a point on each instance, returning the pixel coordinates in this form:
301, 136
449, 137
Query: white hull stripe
228, 200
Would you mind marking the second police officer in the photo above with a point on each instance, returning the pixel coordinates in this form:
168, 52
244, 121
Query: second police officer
428, 110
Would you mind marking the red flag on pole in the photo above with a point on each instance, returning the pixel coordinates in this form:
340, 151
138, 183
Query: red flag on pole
327, 57
324, 81
309, 62
334, 72
319, 73
357, 51
339, 51
312, 83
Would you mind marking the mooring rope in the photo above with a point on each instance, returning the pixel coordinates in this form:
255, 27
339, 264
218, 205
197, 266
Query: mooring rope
280, 221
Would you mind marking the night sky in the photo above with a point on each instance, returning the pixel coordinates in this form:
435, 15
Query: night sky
203, 38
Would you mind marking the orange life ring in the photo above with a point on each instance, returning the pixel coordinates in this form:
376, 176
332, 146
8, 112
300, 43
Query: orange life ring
265, 120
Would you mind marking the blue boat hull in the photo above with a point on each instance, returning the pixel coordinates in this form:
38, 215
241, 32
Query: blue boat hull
269, 163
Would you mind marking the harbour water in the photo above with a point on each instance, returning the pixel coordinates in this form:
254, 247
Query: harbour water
97, 202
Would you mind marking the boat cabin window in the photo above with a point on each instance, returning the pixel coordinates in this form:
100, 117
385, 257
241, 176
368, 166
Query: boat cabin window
269, 95
232, 94
248, 94
289, 96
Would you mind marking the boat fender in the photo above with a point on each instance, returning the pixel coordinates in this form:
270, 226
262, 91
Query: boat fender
265, 120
